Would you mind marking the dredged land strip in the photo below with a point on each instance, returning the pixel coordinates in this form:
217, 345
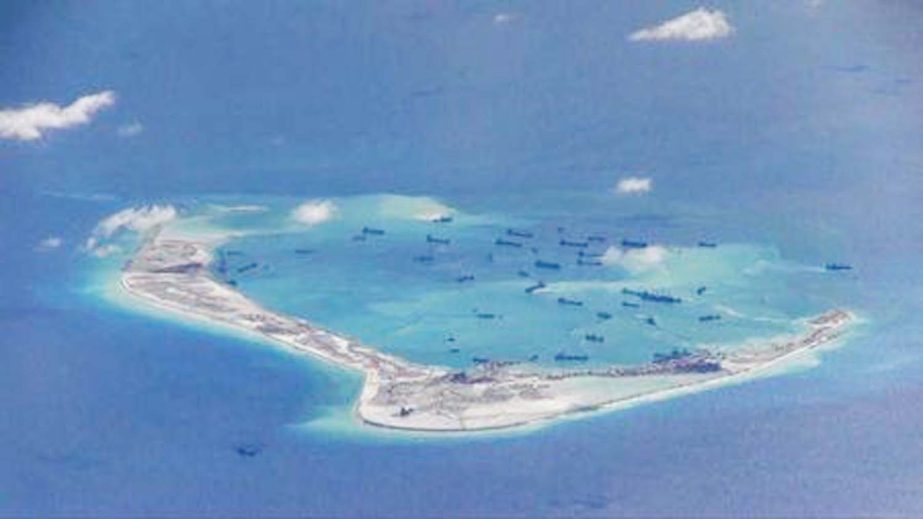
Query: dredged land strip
172, 273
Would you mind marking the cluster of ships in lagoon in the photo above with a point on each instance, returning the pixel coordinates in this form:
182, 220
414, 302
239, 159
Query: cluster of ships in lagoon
521, 239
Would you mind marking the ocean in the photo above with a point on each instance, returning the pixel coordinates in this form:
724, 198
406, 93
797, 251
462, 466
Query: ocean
791, 144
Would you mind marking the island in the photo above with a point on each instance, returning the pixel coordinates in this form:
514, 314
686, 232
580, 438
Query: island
171, 272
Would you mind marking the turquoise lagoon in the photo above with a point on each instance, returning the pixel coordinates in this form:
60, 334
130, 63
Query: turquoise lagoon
446, 293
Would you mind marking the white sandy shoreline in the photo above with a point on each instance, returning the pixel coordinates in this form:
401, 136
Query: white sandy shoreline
171, 275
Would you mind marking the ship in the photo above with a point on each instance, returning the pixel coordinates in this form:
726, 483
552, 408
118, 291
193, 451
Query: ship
561, 357
709, 318
644, 295
569, 302
629, 304
518, 233
222, 264
604, 315
596, 238
585, 254
707, 244
247, 267
485, 315
304, 251
589, 262
442, 219
675, 354
650, 321
837, 266
424, 258
480, 360
523, 274
701, 290
441, 241
465, 278
547, 265
592, 337
248, 451
454, 350
373, 231
632, 244
569, 243
507, 243
538, 286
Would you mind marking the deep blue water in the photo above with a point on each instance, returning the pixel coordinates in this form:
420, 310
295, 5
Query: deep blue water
801, 133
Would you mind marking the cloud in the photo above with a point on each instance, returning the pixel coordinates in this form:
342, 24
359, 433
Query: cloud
314, 212
130, 129
634, 185
635, 260
699, 25
28, 122
134, 219
505, 18
49, 243
243, 208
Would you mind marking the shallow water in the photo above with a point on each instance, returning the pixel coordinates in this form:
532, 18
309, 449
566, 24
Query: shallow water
401, 291
795, 143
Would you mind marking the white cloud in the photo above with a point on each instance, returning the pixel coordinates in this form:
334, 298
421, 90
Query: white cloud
130, 129
698, 25
634, 185
49, 243
29, 122
314, 212
134, 219
636, 260
243, 208
505, 18
137, 219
